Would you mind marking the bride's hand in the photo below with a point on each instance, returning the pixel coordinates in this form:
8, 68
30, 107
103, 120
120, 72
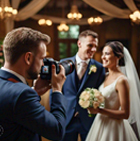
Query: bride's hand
92, 110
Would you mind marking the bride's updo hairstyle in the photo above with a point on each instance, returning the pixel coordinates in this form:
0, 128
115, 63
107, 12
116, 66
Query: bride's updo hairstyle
117, 48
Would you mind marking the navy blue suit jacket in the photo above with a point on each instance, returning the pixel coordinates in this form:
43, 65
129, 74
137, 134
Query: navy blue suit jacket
72, 93
23, 118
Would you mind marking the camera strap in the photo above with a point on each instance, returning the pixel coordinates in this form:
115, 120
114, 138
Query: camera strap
12, 80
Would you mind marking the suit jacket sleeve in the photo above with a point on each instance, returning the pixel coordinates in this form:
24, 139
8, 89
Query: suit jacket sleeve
29, 113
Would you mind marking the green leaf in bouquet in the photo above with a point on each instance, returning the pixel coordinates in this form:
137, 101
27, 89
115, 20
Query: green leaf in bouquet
90, 115
87, 89
102, 105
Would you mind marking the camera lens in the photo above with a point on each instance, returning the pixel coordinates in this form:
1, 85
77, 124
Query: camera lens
68, 65
46, 71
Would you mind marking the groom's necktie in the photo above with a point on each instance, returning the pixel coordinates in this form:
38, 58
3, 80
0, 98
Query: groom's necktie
81, 68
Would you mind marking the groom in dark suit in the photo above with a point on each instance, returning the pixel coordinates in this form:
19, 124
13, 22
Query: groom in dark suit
78, 121
22, 117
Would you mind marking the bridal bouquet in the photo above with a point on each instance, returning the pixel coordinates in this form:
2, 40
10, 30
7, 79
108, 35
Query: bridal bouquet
91, 97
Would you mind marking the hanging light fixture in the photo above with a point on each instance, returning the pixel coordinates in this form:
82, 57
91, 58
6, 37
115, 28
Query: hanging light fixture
135, 17
95, 20
6, 11
63, 26
74, 13
44, 22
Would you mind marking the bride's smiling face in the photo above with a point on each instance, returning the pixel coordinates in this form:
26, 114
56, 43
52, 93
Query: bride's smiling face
109, 60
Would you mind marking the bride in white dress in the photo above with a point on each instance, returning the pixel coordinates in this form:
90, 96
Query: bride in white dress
111, 123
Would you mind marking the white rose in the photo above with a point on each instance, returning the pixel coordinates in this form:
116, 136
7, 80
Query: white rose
97, 93
85, 95
95, 104
101, 99
84, 104
93, 69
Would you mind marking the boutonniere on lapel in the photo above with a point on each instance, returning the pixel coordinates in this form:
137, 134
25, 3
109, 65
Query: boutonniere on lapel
92, 68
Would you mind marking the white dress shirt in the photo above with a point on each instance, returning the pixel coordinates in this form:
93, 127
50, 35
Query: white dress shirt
16, 74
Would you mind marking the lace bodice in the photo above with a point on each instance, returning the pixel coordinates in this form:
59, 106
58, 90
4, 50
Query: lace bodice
111, 96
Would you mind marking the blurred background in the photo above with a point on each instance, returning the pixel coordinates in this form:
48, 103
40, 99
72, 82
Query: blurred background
63, 20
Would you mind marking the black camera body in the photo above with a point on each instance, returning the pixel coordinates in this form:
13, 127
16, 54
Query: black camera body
46, 70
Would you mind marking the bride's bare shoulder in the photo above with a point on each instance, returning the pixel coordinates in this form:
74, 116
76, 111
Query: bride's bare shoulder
122, 81
122, 77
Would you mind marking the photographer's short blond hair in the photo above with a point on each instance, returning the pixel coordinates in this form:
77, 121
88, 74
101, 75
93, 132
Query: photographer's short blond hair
22, 40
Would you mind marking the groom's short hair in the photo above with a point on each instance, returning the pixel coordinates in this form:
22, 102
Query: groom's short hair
88, 33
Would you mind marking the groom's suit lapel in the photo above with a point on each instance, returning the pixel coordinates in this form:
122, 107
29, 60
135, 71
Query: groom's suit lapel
85, 77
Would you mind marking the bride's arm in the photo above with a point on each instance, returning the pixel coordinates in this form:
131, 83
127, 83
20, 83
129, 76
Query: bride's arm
122, 88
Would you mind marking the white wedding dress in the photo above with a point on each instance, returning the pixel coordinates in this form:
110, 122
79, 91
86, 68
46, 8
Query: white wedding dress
105, 128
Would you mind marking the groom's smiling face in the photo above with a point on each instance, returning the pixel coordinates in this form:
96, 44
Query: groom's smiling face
109, 60
87, 47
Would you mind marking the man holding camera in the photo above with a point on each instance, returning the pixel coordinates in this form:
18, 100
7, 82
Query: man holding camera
22, 117
78, 121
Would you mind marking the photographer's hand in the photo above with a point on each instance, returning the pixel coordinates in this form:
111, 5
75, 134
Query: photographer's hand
58, 80
41, 86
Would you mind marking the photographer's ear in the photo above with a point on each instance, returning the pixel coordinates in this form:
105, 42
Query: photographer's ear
28, 58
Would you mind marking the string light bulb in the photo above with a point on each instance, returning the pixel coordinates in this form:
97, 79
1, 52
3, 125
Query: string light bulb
135, 17
63, 26
74, 13
6, 11
44, 22
95, 20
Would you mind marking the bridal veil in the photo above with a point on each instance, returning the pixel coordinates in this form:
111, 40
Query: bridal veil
130, 71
